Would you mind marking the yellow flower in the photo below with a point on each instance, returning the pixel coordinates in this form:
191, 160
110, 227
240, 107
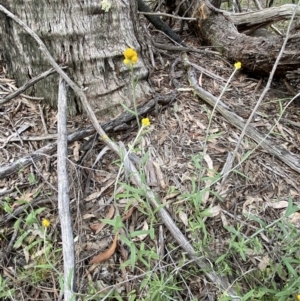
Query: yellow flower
238, 65
106, 5
145, 122
298, 297
131, 56
45, 223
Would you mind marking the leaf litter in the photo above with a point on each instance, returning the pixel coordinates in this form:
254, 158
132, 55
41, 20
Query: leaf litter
257, 194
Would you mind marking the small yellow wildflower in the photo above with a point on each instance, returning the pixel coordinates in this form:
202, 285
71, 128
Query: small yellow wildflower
104, 137
238, 65
45, 223
131, 56
145, 122
106, 5
298, 297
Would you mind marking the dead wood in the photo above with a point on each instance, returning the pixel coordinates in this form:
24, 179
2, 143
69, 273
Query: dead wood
264, 17
63, 195
257, 54
27, 85
117, 124
267, 144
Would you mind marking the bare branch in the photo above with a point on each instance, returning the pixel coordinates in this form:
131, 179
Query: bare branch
27, 85
63, 195
167, 15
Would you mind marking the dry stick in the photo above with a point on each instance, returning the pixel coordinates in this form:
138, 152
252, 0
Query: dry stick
49, 149
181, 239
167, 15
268, 15
263, 94
27, 85
63, 194
270, 146
35, 203
202, 262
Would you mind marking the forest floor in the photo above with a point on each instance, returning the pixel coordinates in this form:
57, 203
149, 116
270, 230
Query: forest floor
246, 225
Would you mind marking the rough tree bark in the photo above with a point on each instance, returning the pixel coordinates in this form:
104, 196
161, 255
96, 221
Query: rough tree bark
257, 54
82, 36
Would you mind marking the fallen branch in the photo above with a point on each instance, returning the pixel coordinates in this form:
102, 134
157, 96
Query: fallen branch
257, 54
263, 17
26, 86
119, 123
63, 194
268, 144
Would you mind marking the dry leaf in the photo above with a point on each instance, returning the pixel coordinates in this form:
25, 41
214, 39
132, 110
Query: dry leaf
25, 197
210, 173
183, 217
150, 174
214, 211
95, 227
142, 236
159, 175
96, 194
200, 80
224, 220
109, 215
88, 215
106, 254
124, 253
295, 219
279, 205
264, 262
251, 204
76, 151
127, 214
170, 196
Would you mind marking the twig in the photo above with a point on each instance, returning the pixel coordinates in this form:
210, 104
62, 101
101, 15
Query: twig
265, 16
268, 144
113, 125
263, 94
35, 203
183, 48
167, 15
63, 195
202, 262
43, 120
27, 85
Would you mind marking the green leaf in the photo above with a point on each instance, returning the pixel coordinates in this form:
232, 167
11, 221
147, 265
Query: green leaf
7, 208
291, 208
128, 110
19, 241
140, 232
221, 258
31, 218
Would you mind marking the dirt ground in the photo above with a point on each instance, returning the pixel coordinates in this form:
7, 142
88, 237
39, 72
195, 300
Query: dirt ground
262, 185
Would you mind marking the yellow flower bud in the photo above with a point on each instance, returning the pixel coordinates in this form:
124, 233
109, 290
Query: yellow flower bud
131, 56
45, 223
238, 65
145, 122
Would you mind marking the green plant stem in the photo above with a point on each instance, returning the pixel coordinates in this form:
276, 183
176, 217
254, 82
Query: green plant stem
214, 109
125, 158
133, 86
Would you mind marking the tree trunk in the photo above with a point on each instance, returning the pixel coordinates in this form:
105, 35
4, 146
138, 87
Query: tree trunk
87, 39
